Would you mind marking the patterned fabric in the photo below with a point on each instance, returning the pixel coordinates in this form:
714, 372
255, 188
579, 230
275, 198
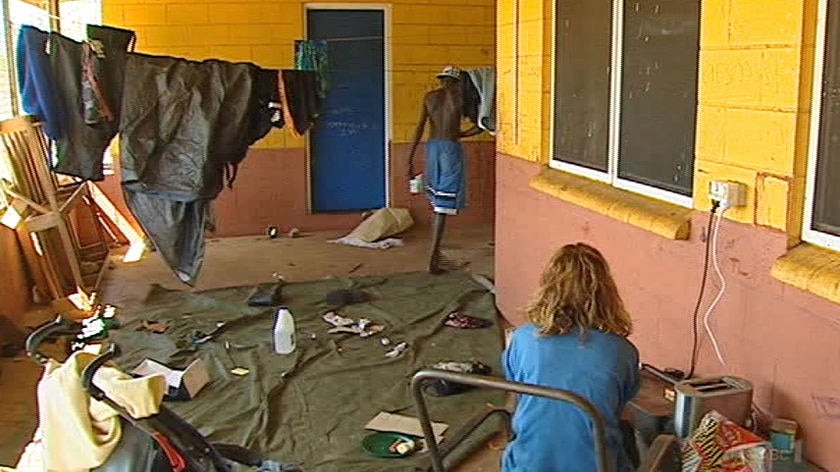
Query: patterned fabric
312, 55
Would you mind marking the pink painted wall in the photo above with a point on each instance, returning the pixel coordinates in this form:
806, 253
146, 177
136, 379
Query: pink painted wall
15, 296
271, 189
787, 342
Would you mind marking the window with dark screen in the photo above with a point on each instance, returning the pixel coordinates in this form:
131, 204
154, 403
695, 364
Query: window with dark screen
582, 82
625, 93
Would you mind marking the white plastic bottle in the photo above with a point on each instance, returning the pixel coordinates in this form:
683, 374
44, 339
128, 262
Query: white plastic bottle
284, 331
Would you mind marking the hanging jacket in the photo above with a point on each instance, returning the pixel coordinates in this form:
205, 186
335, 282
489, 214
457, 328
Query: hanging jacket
101, 93
470, 97
81, 148
299, 93
186, 125
484, 79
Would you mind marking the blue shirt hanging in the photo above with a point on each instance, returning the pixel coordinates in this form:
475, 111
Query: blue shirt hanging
36, 81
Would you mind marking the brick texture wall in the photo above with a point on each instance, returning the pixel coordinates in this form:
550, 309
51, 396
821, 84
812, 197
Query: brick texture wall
756, 65
426, 35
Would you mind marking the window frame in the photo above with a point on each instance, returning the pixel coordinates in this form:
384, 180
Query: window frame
614, 119
809, 234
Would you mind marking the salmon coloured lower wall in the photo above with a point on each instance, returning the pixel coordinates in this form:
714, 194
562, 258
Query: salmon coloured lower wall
784, 340
15, 298
271, 188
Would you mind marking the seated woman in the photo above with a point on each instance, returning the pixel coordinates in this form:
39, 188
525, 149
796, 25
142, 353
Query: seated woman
577, 341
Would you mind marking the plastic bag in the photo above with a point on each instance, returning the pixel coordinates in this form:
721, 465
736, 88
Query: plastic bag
721, 445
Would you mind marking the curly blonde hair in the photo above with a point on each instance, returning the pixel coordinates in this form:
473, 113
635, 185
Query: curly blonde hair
577, 291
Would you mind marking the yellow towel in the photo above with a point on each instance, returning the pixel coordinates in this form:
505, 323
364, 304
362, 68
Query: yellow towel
77, 432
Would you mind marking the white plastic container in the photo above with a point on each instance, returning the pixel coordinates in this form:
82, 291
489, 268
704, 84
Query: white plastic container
284, 331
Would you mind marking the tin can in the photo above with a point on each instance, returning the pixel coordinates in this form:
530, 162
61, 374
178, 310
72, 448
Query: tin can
415, 185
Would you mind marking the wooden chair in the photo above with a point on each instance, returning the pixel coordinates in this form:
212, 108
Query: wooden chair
48, 234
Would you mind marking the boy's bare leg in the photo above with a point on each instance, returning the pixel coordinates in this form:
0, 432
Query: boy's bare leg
437, 236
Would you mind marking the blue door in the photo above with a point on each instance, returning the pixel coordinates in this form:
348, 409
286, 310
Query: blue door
347, 145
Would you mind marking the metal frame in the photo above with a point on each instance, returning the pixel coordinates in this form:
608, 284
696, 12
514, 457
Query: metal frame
809, 234
386, 11
611, 175
482, 381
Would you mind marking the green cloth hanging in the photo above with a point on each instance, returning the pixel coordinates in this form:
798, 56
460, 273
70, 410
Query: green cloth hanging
312, 55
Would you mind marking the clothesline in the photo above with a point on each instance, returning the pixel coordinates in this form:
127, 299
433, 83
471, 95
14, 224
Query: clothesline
328, 40
422, 69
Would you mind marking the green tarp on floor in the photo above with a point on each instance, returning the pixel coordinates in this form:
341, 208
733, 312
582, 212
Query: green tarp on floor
310, 407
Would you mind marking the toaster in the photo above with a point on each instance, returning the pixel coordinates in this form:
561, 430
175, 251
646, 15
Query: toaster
693, 398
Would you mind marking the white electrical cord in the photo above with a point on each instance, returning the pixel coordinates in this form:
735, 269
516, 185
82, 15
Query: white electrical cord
716, 264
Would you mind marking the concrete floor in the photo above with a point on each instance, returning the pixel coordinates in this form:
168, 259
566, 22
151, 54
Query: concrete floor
245, 261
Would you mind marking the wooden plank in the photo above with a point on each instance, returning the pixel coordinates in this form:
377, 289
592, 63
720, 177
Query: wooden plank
42, 222
34, 263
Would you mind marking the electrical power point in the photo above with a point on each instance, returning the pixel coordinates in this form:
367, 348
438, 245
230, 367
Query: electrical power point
728, 193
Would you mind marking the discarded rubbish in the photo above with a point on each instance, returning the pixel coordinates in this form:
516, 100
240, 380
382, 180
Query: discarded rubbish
355, 268
152, 326
183, 384
383, 223
335, 319
397, 350
442, 388
235, 369
199, 337
457, 320
364, 333
371, 330
485, 282
385, 341
284, 331
381, 244
272, 232
293, 233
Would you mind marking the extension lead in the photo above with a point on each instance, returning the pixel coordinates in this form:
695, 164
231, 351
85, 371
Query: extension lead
695, 331
721, 291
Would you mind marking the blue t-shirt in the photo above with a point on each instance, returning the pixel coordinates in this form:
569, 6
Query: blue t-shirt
555, 436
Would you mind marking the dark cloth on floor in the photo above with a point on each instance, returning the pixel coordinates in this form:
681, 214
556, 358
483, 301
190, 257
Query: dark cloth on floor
300, 98
185, 127
82, 146
313, 55
470, 97
39, 96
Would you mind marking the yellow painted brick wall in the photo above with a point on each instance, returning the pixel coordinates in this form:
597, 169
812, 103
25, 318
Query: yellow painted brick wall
756, 63
426, 35
522, 55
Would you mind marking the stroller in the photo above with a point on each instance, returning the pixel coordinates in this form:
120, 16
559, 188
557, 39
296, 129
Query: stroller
160, 443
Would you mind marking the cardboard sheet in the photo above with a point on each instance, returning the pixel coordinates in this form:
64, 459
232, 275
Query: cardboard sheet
391, 423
